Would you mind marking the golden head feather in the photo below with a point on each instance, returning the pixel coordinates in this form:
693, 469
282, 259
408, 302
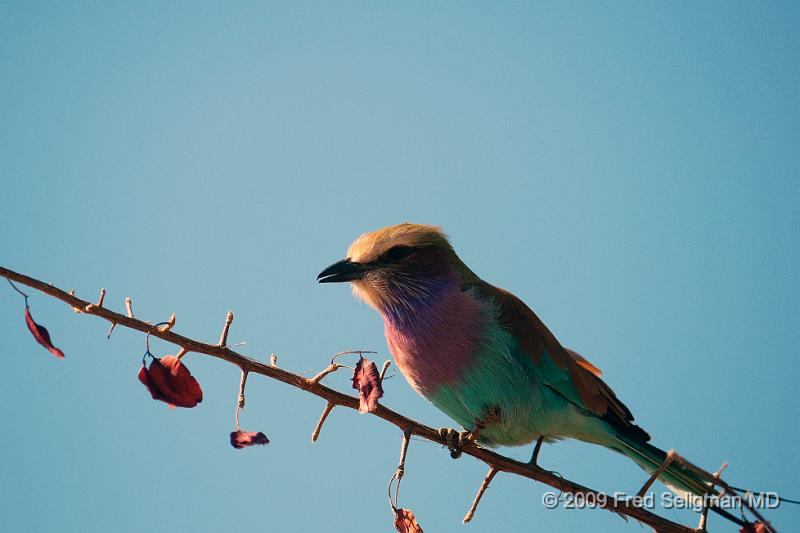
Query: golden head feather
371, 245
392, 283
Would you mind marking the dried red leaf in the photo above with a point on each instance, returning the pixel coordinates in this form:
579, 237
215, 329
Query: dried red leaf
405, 521
41, 335
242, 439
756, 527
367, 381
169, 381
144, 377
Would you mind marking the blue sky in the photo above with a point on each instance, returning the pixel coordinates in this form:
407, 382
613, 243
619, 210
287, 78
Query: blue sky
629, 169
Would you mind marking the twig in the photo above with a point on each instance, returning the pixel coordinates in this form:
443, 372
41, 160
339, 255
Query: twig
328, 408
240, 398
701, 526
499, 462
74, 309
485, 485
660, 470
333, 367
129, 306
360, 353
401, 466
169, 324
223, 338
384, 369
714, 479
242, 383
90, 307
24, 295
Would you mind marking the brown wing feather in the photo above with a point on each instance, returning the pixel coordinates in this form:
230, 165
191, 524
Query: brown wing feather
535, 338
581, 360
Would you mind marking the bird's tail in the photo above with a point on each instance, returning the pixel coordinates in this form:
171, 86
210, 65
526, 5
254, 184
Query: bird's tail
683, 479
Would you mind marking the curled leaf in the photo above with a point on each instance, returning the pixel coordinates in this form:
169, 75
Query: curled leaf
41, 335
405, 521
367, 381
169, 381
242, 439
144, 378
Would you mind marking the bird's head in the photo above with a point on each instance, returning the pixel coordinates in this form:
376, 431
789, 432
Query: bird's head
397, 265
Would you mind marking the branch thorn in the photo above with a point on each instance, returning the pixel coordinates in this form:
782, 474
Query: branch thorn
331, 368
223, 338
701, 525
240, 398
74, 309
384, 369
485, 485
168, 325
328, 408
401, 467
671, 456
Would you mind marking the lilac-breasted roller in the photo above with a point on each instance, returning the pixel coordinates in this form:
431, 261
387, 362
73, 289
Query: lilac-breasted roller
479, 354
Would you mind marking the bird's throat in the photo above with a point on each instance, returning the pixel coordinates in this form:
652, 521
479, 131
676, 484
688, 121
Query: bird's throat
434, 340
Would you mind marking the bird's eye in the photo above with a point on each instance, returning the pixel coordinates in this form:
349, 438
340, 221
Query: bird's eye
398, 253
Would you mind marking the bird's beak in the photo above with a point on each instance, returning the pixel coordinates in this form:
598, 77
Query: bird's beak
344, 270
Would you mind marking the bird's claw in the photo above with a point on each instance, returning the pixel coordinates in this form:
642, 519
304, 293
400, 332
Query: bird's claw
455, 440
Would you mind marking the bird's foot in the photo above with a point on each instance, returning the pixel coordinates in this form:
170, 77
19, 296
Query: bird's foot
455, 440
536, 450
491, 415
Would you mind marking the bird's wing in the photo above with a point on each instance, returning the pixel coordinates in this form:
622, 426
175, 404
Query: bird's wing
581, 360
563, 370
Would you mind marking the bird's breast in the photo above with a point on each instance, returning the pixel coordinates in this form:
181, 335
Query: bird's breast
436, 344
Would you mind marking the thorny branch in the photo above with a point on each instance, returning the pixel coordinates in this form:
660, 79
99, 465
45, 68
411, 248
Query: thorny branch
496, 462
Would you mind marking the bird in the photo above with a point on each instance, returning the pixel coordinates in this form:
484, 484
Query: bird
482, 356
